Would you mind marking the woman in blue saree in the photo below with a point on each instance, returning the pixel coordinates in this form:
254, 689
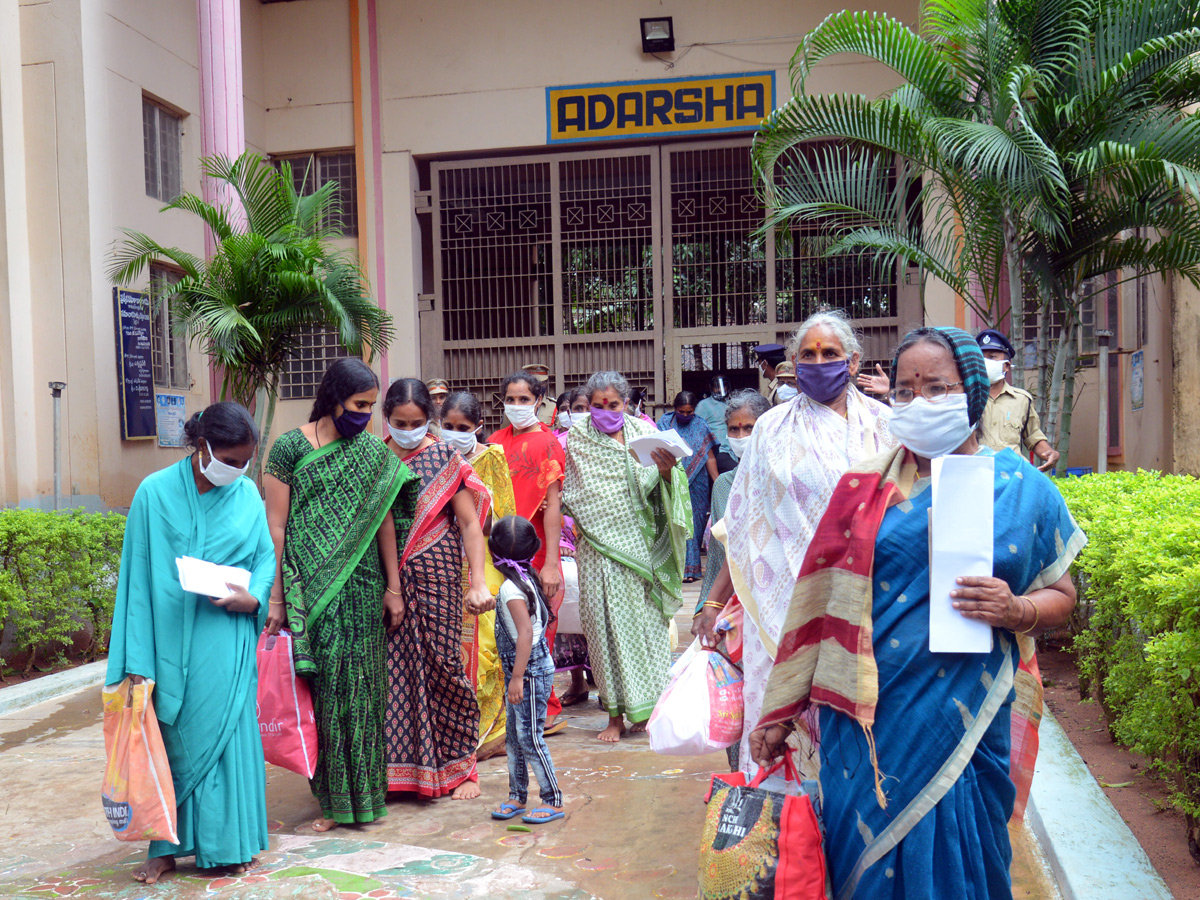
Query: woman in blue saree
924, 757
701, 469
200, 651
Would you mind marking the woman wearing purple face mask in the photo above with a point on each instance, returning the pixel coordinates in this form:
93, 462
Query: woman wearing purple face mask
798, 451
701, 470
630, 580
332, 489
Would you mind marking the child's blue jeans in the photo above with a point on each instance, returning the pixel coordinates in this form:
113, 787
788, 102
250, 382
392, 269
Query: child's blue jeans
524, 739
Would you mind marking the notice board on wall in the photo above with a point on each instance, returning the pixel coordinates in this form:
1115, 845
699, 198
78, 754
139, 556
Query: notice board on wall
135, 373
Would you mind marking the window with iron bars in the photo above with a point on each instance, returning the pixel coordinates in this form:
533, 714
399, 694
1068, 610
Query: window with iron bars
1086, 317
312, 170
162, 132
317, 349
168, 349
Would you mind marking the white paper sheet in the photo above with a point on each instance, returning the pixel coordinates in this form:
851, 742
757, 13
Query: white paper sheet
670, 440
960, 543
209, 579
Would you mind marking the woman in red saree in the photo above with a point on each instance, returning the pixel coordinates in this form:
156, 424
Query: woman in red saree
432, 716
537, 462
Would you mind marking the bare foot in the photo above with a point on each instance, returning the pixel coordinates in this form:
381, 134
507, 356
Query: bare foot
612, 734
242, 868
323, 825
638, 727
153, 869
468, 790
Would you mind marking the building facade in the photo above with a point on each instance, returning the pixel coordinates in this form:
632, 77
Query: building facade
521, 181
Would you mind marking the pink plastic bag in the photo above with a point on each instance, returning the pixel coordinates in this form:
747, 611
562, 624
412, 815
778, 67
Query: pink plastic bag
285, 710
701, 710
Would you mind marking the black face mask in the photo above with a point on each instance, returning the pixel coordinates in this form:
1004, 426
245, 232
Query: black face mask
350, 424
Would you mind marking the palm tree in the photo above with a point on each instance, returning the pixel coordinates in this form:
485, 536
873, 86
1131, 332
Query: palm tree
1035, 135
272, 278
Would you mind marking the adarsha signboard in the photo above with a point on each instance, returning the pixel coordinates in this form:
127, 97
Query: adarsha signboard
636, 109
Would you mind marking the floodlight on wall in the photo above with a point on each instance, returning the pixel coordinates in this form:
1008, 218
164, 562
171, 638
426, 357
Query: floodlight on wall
658, 35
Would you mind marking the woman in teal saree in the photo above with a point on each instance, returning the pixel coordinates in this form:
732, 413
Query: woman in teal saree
199, 651
330, 487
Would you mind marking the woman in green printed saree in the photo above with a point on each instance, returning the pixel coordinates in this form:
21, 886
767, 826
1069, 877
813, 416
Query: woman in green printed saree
199, 651
633, 522
330, 487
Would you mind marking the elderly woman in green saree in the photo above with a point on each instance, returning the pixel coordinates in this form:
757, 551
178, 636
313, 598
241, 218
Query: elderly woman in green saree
336, 499
199, 651
632, 522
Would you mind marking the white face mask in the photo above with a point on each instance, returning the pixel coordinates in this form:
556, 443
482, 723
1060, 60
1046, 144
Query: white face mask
521, 416
564, 420
739, 445
786, 392
218, 473
577, 417
995, 369
408, 440
462, 441
932, 429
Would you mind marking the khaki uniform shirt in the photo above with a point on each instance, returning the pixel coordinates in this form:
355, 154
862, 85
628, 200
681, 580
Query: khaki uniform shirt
547, 411
773, 391
1010, 419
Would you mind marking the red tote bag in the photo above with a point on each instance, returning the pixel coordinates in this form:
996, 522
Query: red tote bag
286, 720
759, 844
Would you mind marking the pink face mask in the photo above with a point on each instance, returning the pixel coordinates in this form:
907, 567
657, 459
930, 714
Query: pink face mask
609, 421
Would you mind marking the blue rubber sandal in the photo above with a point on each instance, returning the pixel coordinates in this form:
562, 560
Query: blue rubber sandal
532, 819
508, 810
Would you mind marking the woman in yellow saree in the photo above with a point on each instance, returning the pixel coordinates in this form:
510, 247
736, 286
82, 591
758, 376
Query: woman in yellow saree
462, 417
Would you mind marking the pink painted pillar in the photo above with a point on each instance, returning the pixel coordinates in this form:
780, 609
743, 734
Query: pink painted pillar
222, 117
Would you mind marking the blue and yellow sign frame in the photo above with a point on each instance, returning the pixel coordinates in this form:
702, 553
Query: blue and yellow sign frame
709, 104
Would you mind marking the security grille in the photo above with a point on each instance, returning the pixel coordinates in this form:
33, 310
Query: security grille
571, 260
317, 350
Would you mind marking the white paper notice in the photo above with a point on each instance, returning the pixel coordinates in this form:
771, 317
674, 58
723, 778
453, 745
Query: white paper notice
670, 440
209, 579
960, 543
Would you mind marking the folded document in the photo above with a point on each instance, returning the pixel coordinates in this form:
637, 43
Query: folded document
208, 579
668, 440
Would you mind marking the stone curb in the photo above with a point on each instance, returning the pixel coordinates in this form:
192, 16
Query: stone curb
1090, 850
17, 697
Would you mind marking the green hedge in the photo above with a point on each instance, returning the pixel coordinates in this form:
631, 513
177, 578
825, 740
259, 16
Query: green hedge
58, 578
1137, 633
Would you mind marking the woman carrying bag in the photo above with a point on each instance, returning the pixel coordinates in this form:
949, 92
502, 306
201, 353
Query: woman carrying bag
199, 651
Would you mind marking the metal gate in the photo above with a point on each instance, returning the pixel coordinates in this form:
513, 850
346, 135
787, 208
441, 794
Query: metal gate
642, 260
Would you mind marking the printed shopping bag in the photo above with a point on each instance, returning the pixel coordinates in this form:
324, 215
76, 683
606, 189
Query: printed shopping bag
701, 709
758, 844
286, 721
138, 794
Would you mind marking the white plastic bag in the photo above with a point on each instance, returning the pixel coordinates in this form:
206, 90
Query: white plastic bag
568, 613
701, 709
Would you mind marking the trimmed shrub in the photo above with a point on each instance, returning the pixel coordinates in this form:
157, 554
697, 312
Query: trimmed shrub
58, 580
1138, 637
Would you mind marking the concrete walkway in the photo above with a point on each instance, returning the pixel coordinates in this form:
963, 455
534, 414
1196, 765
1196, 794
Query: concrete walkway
631, 832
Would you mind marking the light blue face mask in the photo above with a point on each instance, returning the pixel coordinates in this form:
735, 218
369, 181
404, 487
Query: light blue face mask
786, 392
408, 440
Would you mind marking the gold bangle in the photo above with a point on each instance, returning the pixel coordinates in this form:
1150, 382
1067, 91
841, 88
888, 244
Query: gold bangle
275, 602
1036, 615
388, 590
713, 604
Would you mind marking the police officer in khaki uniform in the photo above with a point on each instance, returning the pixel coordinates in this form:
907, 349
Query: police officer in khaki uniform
785, 376
439, 390
1010, 418
546, 410
769, 356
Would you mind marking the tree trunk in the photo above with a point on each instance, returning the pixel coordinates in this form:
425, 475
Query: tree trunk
1016, 297
265, 399
1068, 395
1043, 364
1054, 394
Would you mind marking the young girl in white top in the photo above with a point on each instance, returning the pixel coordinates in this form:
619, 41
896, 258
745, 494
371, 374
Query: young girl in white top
522, 615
